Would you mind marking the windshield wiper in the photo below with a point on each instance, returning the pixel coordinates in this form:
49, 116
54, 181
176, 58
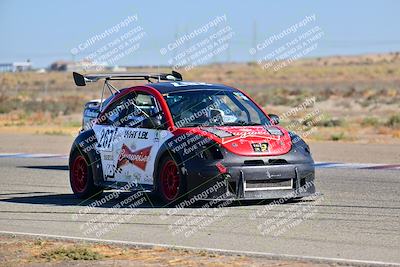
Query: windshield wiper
241, 123
192, 125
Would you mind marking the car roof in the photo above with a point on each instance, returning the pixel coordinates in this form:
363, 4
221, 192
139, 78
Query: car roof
169, 87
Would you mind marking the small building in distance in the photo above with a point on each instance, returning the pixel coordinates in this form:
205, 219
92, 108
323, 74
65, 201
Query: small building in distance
16, 66
62, 65
116, 69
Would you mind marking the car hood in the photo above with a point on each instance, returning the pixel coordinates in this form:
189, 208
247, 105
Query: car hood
241, 140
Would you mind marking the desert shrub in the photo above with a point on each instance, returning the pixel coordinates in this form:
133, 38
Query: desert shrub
331, 122
394, 121
337, 136
370, 121
8, 104
74, 253
350, 92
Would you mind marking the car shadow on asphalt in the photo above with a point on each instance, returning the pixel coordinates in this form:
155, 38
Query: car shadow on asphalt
47, 167
150, 200
124, 200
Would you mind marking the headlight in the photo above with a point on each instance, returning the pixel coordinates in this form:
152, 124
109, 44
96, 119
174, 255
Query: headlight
299, 143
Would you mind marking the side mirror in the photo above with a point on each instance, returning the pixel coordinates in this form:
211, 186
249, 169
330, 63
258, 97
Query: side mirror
152, 123
274, 118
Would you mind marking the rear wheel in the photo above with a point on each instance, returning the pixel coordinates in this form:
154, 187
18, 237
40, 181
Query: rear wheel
81, 177
170, 185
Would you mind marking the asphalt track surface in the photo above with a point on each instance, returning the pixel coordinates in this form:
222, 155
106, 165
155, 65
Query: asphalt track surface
356, 218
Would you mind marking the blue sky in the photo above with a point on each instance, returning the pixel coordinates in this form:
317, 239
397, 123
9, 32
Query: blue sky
45, 31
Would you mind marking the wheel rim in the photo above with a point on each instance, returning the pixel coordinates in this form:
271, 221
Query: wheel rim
170, 180
80, 174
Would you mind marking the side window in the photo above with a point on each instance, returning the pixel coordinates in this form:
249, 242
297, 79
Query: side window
134, 110
146, 112
117, 113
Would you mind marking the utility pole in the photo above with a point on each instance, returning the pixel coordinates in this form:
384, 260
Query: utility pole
228, 51
254, 39
176, 35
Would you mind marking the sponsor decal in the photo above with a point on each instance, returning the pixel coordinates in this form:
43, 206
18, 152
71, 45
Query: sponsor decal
138, 158
157, 136
260, 147
148, 179
243, 134
108, 157
179, 84
136, 134
132, 177
271, 176
241, 95
110, 170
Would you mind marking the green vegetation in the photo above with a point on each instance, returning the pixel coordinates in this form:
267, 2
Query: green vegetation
331, 122
394, 121
72, 253
54, 132
337, 136
370, 121
58, 105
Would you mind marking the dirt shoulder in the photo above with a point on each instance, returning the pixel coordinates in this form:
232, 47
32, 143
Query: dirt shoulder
29, 251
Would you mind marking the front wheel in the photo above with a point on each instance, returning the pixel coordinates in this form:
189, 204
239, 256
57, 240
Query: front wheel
170, 185
81, 178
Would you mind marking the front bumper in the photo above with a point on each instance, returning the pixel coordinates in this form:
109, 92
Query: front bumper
268, 182
240, 178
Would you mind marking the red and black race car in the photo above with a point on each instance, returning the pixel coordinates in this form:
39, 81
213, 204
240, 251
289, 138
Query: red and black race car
185, 139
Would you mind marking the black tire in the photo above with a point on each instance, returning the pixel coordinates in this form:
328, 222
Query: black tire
81, 177
170, 183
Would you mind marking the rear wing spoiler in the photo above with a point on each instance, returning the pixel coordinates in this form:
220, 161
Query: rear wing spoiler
82, 80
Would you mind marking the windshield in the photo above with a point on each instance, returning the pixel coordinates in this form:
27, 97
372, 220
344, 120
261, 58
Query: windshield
213, 108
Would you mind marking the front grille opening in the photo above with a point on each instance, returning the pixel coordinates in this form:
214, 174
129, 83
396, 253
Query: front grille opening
251, 184
257, 162
277, 162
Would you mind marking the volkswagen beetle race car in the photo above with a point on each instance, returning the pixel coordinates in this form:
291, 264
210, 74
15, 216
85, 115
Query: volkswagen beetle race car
185, 139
